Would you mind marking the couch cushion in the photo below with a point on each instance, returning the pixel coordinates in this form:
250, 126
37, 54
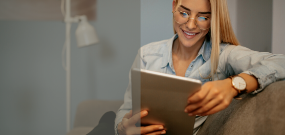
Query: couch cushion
260, 114
89, 112
106, 125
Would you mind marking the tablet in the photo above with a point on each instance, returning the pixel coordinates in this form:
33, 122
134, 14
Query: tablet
165, 97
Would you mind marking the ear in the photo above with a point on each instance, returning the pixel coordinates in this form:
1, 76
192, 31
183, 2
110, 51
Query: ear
173, 5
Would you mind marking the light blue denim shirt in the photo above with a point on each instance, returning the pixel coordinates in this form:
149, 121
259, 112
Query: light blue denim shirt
157, 56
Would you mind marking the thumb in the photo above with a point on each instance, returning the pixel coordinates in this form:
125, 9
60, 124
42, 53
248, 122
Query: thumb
133, 120
128, 115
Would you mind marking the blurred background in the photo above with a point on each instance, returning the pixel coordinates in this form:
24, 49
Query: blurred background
32, 79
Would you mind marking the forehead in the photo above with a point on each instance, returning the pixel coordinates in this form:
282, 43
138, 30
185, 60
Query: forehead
196, 5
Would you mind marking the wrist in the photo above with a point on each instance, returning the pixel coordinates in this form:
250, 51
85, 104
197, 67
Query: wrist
234, 92
239, 84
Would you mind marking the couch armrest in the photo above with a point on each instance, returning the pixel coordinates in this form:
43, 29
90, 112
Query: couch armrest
89, 112
260, 114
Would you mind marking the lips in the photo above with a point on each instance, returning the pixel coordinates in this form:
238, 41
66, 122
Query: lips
190, 35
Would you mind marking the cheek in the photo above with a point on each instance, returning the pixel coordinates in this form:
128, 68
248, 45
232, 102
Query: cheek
205, 32
176, 27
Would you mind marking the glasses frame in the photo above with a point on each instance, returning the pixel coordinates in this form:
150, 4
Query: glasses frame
195, 19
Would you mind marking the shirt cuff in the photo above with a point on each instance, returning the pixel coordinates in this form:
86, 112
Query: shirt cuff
264, 76
116, 129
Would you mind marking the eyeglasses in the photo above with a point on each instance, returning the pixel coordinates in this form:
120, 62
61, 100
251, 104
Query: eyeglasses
182, 17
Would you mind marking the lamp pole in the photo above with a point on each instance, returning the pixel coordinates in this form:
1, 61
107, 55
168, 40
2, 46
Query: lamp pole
68, 22
86, 35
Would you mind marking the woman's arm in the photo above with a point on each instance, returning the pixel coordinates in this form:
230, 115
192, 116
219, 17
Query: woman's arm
259, 69
128, 125
127, 105
125, 120
217, 95
251, 82
264, 66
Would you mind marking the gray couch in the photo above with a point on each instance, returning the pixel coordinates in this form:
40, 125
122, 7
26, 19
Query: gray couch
261, 114
88, 114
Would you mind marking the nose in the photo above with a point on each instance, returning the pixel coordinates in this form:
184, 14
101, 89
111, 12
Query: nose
191, 24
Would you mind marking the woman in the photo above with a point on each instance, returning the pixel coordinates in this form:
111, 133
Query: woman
200, 49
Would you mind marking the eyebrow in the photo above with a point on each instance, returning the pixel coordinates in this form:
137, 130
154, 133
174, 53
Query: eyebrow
190, 10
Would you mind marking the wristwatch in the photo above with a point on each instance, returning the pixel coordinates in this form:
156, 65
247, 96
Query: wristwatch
239, 85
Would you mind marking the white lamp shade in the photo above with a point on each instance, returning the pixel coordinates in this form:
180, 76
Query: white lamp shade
86, 34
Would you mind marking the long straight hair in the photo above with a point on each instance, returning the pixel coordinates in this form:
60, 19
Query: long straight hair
221, 31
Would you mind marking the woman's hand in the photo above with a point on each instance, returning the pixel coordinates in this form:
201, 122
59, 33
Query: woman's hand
213, 97
128, 127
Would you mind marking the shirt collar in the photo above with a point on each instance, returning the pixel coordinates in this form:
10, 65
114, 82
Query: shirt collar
205, 51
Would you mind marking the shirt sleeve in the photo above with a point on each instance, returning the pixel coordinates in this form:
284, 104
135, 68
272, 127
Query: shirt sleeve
265, 66
127, 105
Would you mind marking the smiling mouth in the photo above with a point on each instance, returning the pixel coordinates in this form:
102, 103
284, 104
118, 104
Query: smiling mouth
190, 35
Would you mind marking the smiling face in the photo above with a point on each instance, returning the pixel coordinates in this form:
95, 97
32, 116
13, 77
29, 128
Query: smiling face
193, 32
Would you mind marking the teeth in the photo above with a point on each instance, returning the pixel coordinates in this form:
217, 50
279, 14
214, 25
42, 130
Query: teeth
190, 34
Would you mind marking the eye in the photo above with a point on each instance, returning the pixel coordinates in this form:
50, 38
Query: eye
183, 14
201, 18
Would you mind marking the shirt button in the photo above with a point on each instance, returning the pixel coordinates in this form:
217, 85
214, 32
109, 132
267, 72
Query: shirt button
210, 79
191, 65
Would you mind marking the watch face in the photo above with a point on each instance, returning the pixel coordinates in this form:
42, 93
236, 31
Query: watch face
239, 83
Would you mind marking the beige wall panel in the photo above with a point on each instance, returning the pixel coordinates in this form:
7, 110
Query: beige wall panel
278, 32
44, 9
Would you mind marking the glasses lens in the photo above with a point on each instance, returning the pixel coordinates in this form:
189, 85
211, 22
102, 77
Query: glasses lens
182, 17
203, 22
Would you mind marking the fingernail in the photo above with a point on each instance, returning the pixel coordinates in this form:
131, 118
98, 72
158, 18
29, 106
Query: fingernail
144, 112
190, 114
163, 132
185, 110
161, 127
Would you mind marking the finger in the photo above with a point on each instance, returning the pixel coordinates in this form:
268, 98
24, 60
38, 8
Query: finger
212, 94
195, 106
210, 105
135, 118
198, 96
157, 133
129, 114
144, 130
133, 131
151, 129
217, 108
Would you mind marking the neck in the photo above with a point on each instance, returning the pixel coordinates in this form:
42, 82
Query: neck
185, 53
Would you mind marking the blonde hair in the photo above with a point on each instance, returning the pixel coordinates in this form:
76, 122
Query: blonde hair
221, 31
